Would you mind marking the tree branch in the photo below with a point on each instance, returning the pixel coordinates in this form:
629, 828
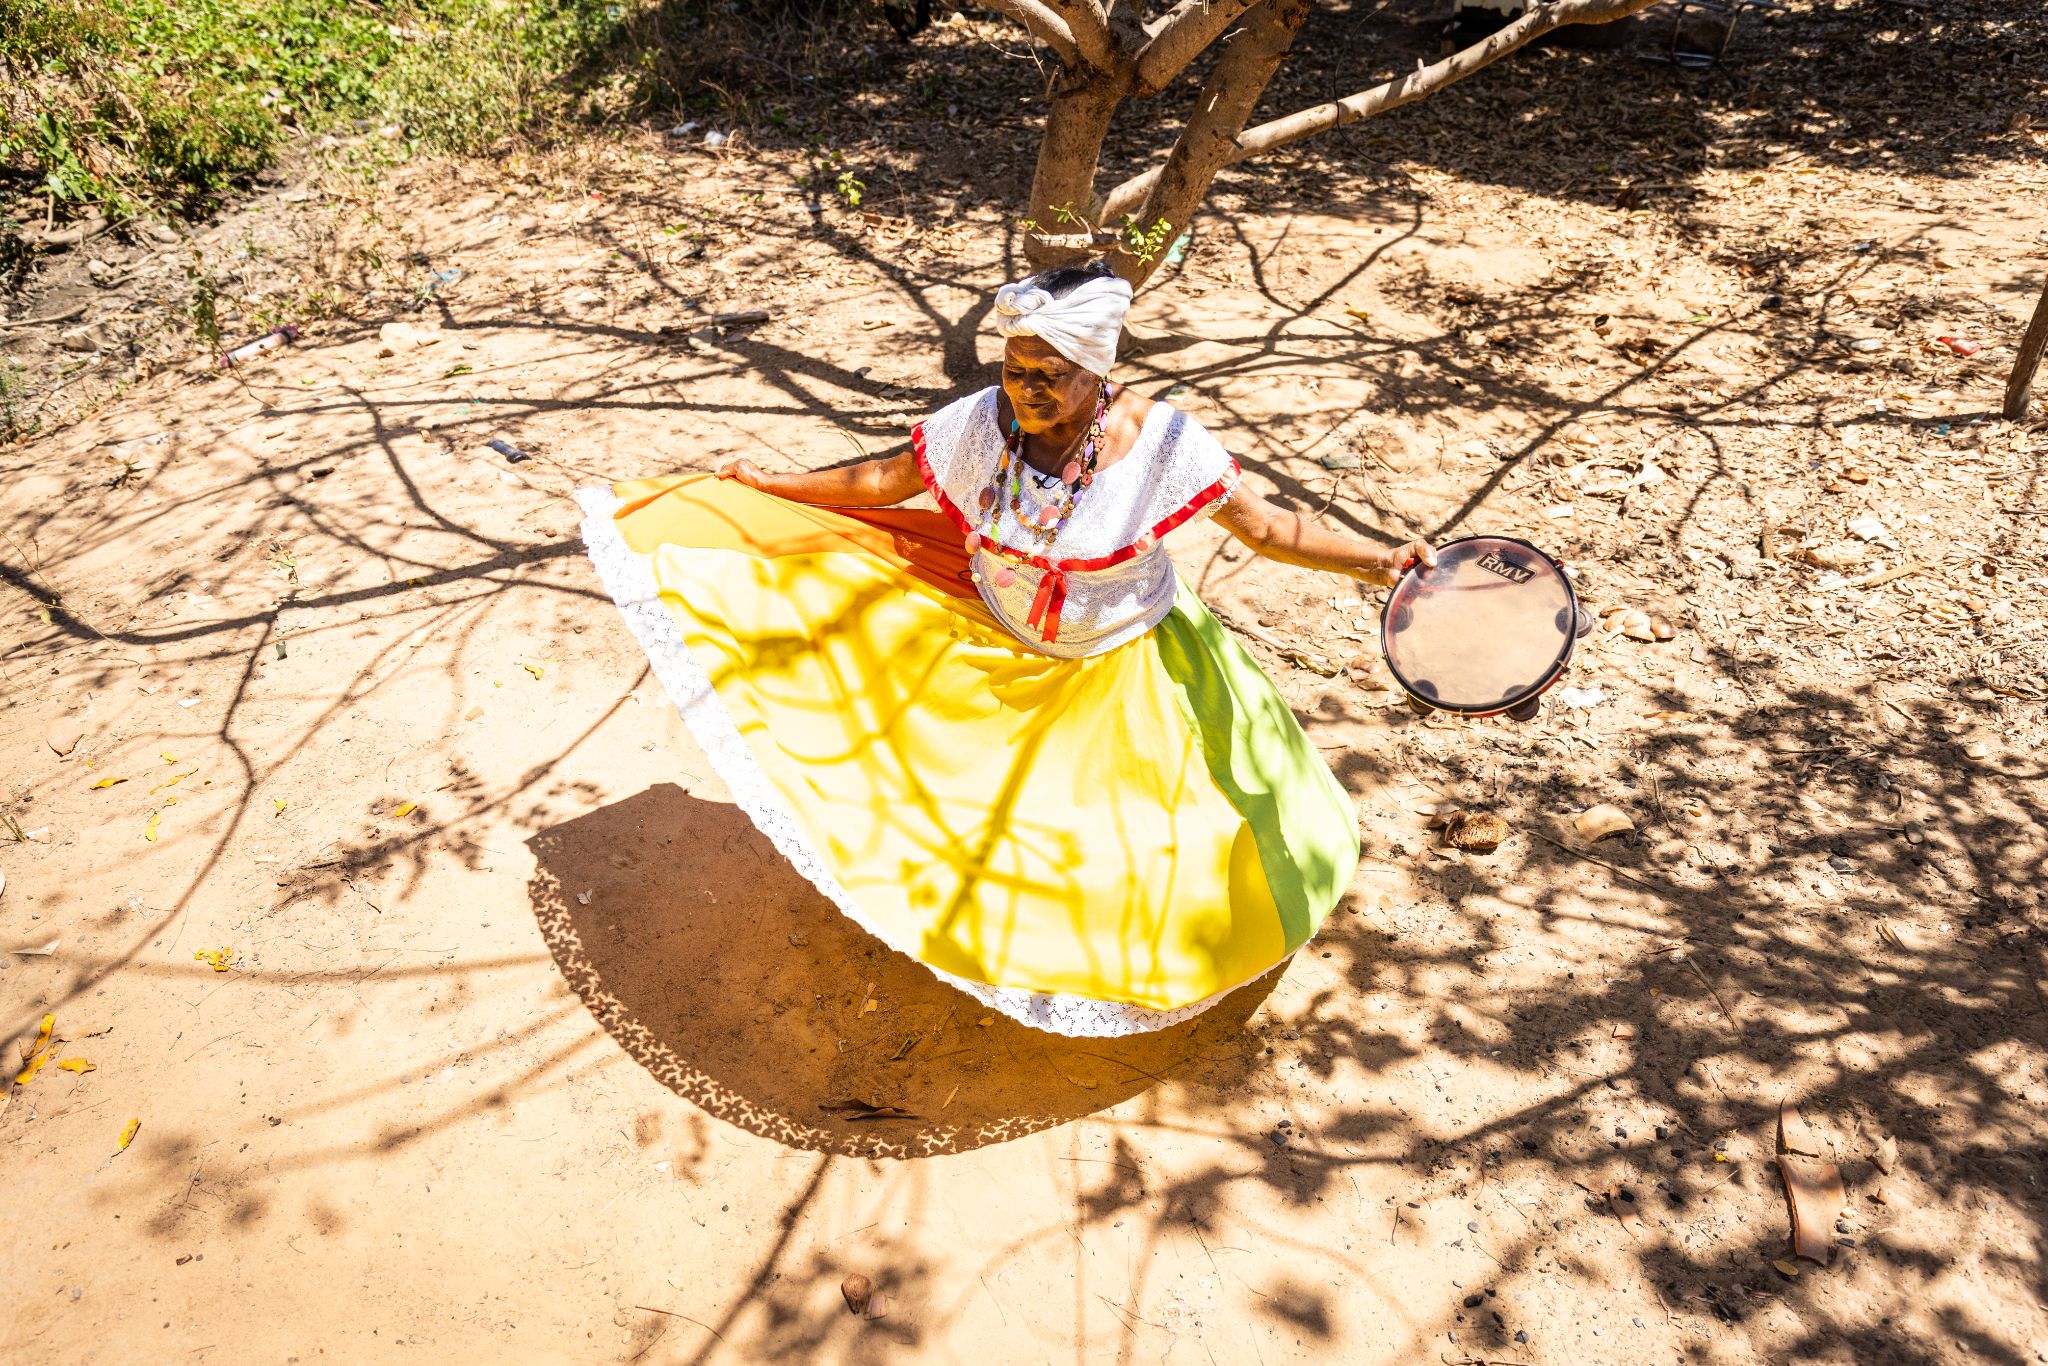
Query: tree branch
1077, 30
1182, 35
1043, 23
1209, 139
1393, 94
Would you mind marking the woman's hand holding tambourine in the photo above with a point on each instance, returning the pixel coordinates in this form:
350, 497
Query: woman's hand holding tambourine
1387, 571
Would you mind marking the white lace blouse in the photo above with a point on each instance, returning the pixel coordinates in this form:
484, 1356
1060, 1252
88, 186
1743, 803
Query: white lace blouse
1107, 579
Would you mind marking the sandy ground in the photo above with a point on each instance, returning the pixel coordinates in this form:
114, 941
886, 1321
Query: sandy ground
522, 1038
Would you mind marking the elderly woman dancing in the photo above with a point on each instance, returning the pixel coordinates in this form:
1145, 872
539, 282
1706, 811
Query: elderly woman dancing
1005, 737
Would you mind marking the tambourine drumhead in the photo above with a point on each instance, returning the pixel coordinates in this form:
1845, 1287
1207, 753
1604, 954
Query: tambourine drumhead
1489, 627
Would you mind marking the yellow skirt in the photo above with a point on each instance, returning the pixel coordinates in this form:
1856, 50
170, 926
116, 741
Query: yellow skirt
1093, 846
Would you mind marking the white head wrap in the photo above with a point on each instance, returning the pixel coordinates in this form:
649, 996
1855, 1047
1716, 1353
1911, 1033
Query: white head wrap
1081, 325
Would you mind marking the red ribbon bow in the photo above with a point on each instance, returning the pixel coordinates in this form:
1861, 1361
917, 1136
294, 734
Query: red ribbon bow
1045, 608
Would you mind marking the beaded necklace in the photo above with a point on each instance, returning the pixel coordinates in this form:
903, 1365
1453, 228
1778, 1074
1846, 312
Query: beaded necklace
1044, 528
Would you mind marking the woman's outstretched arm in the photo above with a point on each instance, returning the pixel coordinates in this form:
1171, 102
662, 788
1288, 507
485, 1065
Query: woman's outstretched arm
878, 483
1285, 535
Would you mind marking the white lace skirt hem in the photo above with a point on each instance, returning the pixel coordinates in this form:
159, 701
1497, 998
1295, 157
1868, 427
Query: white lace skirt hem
625, 576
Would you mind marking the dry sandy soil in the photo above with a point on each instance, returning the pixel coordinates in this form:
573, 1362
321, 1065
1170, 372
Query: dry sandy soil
522, 1039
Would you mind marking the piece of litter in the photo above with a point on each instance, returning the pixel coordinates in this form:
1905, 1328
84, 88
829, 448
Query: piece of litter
583, 897
1585, 699
508, 450
1596, 823
1794, 1134
41, 951
188, 701
1813, 1188
404, 809
715, 139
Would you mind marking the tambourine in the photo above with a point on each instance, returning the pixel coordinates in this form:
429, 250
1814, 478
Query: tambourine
1484, 630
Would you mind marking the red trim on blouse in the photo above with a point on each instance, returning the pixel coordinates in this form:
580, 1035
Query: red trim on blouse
1052, 589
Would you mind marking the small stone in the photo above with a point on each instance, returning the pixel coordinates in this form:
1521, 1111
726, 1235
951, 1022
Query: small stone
91, 337
856, 1290
1341, 460
1474, 1301
1522, 1337
1471, 1228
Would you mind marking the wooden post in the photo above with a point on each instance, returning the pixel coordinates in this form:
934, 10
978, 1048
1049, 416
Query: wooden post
2031, 345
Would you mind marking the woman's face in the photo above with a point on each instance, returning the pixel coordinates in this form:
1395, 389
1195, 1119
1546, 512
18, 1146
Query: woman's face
1045, 388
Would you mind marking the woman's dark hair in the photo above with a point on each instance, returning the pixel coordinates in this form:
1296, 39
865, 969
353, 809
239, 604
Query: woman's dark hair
1061, 281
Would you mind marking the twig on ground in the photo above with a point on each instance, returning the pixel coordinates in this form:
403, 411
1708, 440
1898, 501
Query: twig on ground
66, 316
1620, 873
684, 1317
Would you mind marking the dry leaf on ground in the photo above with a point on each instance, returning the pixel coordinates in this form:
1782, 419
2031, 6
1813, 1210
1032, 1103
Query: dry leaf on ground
1623, 1204
860, 1109
1478, 832
63, 735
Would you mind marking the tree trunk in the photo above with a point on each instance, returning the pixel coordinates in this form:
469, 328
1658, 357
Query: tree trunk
1209, 140
2021, 385
1063, 200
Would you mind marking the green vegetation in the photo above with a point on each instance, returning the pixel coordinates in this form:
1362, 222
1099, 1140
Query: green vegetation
129, 106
